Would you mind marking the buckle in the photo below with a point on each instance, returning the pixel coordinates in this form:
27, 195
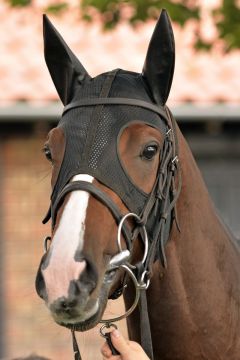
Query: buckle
175, 160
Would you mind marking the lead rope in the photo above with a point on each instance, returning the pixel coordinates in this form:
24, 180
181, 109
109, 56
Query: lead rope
76, 351
146, 335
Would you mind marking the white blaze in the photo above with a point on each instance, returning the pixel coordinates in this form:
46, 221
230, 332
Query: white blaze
68, 238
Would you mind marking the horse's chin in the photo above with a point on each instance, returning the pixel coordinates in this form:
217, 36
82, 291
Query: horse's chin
86, 321
85, 324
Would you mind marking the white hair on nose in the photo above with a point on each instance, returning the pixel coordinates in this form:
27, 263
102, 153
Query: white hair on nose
67, 240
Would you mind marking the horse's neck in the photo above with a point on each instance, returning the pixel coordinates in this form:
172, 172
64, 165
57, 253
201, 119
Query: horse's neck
194, 303
204, 250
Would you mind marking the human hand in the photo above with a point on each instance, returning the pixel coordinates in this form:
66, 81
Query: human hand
129, 350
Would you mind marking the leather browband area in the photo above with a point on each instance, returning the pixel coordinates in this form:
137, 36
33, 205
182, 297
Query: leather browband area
161, 110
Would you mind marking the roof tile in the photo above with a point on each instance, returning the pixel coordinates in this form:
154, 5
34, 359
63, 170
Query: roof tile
199, 77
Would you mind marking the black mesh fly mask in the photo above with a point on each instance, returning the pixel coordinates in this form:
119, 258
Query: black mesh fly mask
92, 128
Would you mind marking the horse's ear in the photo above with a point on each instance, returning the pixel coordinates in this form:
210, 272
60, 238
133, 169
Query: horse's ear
159, 65
66, 70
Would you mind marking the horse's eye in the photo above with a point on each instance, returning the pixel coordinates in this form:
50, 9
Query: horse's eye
47, 153
149, 151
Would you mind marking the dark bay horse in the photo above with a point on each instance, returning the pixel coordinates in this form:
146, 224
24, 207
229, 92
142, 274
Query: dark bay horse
117, 150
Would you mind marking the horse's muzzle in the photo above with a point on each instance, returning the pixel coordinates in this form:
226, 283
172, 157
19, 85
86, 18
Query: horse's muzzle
66, 294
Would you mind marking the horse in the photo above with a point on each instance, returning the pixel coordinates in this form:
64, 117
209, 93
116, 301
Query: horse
131, 213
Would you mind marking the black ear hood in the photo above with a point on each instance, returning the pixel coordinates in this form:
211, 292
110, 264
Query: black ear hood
96, 112
68, 74
91, 131
159, 64
66, 70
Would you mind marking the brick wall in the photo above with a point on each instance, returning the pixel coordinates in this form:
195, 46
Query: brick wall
25, 193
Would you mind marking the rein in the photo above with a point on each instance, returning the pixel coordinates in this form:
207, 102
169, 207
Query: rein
163, 196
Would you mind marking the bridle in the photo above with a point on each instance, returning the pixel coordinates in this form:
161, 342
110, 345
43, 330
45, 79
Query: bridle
164, 193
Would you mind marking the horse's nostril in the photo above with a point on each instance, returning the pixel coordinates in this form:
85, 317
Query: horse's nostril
40, 283
68, 305
63, 306
88, 279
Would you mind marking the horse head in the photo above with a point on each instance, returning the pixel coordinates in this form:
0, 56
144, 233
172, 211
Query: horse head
111, 154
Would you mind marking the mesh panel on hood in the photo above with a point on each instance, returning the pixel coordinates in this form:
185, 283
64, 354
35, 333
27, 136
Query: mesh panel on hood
92, 136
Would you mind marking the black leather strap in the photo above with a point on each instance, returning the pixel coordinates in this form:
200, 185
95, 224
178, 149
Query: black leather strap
146, 336
76, 351
99, 195
161, 110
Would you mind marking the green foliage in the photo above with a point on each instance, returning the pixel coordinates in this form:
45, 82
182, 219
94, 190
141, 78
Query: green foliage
228, 23
202, 45
56, 8
19, 3
111, 11
226, 17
